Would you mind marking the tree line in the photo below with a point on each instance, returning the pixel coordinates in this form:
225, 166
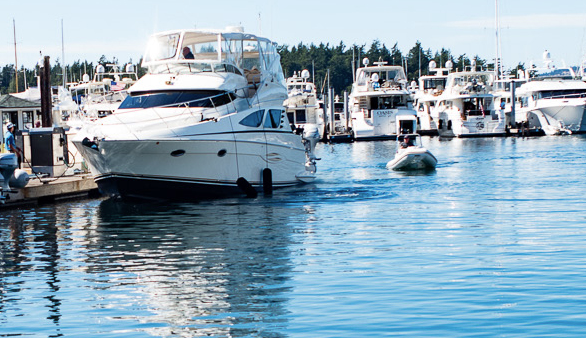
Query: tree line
74, 73
337, 60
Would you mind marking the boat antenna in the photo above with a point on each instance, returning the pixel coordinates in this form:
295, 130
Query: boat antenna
63, 56
259, 25
353, 64
313, 71
420, 60
15, 58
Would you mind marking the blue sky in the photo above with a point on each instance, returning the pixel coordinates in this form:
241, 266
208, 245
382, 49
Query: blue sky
120, 28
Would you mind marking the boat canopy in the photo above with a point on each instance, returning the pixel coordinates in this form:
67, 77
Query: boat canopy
380, 73
212, 51
465, 78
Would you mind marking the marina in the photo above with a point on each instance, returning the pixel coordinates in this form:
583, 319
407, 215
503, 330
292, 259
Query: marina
241, 182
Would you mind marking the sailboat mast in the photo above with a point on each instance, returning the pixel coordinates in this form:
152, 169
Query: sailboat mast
497, 62
15, 58
63, 56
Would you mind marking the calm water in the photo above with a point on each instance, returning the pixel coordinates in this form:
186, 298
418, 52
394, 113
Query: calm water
491, 244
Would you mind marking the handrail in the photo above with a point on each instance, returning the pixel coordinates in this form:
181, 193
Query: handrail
564, 96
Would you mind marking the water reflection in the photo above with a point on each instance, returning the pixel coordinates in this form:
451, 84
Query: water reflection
21, 236
214, 268
217, 268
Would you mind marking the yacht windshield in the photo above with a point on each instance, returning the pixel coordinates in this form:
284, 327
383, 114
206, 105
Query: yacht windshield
199, 46
434, 83
562, 94
161, 47
171, 99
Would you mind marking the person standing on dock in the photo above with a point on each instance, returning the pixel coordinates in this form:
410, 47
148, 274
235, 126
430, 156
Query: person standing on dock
10, 142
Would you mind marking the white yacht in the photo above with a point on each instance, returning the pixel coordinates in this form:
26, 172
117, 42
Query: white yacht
206, 121
466, 107
107, 90
302, 106
425, 97
378, 94
553, 99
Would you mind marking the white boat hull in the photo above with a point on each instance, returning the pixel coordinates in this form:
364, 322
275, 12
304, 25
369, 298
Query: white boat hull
476, 126
193, 169
570, 116
413, 159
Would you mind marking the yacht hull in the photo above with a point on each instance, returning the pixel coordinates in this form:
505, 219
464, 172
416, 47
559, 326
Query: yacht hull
451, 125
194, 169
571, 117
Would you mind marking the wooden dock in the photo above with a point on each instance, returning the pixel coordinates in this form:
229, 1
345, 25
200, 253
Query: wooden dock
49, 190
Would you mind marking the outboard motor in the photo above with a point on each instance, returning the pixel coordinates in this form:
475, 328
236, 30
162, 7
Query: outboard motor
310, 139
8, 164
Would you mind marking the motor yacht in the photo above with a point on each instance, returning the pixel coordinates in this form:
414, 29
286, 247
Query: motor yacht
105, 92
553, 99
378, 95
466, 106
430, 87
206, 121
302, 106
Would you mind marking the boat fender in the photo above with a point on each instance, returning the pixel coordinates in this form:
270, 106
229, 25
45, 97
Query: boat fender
246, 187
19, 179
267, 181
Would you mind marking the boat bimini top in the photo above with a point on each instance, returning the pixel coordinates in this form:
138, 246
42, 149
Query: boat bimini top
230, 50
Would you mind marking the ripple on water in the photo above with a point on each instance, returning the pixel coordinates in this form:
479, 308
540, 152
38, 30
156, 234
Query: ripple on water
491, 243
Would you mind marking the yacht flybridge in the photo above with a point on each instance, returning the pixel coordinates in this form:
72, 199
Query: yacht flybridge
379, 94
302, 105
206, 121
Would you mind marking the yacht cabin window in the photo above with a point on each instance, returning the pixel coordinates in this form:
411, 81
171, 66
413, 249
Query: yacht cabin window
273, 119
434, 84
253, 120
387, 102
565, 93
173, 99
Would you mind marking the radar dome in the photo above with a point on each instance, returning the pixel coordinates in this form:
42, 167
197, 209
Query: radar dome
130, 68
305, 74
449, 64
100, 69
85, 78
235, 29
365, 61
432, 65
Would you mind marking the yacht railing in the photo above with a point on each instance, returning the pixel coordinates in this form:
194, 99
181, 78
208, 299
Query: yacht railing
213, 110
563, 96
192, 66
